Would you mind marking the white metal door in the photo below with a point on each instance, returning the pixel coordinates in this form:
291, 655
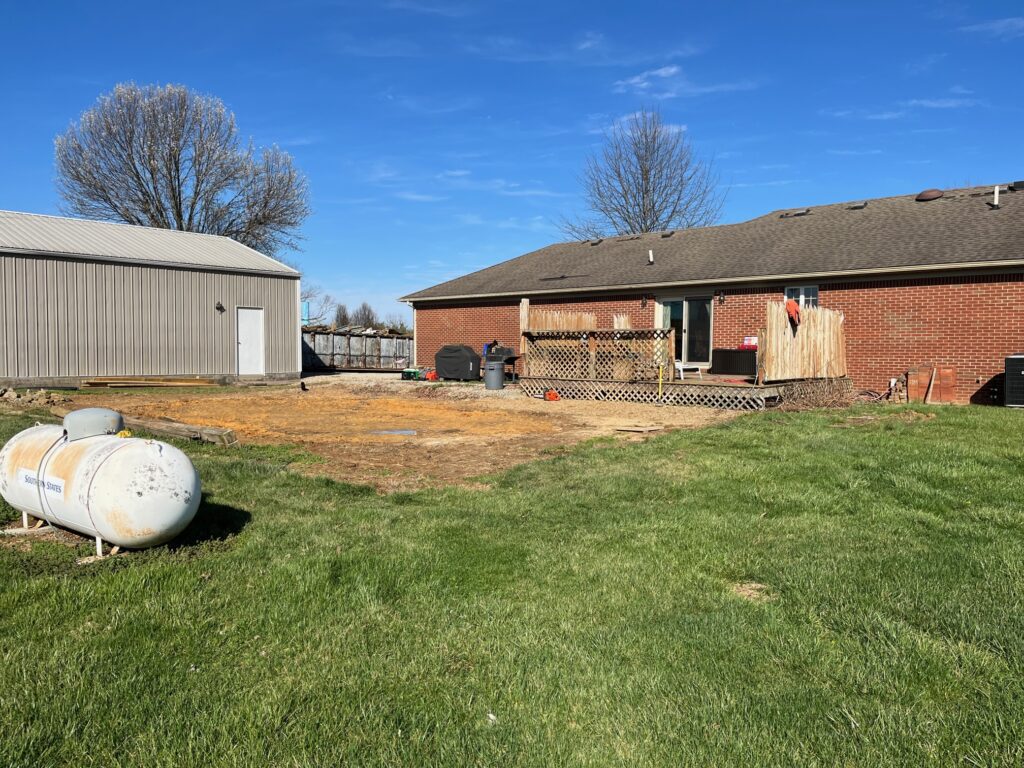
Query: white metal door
251, 354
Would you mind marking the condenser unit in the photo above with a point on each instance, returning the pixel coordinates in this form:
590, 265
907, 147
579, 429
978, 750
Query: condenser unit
1013, 388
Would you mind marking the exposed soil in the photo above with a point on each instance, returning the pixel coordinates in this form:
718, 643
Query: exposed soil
361, 429
865, 419
753, 591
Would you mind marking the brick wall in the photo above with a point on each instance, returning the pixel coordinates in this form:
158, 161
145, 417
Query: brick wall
970, 322
472, 324
476, 324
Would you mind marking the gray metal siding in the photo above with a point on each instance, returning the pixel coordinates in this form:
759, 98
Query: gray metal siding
66, 318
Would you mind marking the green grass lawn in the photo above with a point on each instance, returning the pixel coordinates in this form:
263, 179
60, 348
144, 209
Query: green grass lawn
581, 612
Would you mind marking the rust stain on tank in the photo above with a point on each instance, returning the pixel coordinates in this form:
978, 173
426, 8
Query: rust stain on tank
122, 525
26, 454
64, 464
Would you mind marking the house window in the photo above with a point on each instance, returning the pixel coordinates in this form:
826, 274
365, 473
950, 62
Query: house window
804, 295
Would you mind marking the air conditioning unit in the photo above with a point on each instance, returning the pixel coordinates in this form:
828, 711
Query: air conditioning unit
1013, 388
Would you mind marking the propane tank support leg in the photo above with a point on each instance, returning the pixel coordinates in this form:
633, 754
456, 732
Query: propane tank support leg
99, 547
24, 520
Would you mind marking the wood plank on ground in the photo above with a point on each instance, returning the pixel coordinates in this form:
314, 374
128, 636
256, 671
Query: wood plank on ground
168, 428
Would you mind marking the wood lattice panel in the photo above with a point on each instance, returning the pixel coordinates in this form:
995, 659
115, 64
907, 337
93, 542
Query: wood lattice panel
733, 398
624, 355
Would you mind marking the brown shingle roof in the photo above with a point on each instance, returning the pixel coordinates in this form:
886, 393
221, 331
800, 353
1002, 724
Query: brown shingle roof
889, 234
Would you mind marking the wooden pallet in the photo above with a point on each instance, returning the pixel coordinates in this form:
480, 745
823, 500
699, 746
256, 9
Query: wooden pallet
736, 397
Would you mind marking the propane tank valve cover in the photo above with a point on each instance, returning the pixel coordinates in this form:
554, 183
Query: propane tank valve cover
92, 422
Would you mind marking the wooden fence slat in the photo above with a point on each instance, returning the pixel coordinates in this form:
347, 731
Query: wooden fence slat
816, 348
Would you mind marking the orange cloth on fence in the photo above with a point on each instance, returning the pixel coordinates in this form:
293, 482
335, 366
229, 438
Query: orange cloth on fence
793, 310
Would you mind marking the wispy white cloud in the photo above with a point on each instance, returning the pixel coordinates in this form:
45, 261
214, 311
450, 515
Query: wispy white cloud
453, 174
299, 141
669, 82
434, 105
961, 90
646, 80
381, 173
892, 114
590, 40
529, 223
419, 197
598, 125
467, 182
864, 114
448, 10
1001, 29
923, 64
590, 49
854, 152
943, 103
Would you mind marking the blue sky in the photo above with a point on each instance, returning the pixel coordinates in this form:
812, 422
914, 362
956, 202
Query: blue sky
442, 136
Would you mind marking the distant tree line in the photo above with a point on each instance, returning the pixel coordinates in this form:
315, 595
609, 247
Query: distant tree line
324, 310
366, 316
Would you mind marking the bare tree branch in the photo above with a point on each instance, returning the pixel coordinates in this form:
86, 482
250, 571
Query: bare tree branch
321, 304
164, 156
365, 315
646, 178
341, 316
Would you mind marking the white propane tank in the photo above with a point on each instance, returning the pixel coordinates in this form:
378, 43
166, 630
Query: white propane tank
127, 491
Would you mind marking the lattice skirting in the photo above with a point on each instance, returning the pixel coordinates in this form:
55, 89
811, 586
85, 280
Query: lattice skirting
736, 398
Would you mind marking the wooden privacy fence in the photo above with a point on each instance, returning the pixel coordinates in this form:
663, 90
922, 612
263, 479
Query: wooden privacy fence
549, 320
332, 351
614, 355
814, 349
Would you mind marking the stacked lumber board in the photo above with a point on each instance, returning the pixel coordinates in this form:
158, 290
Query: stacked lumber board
116, 382
168, 428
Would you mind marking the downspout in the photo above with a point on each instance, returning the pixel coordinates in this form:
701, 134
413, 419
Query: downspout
415, 337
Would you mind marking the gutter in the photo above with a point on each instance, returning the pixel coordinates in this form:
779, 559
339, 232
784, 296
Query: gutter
867, 272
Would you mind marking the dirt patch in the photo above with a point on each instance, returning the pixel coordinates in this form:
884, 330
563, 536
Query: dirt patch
901, 416
753, 591
24, 542
362, 430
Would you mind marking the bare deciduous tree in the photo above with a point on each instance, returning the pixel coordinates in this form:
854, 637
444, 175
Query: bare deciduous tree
397, 323
321, 304
164, 156
646, 178
341, 316
365, 315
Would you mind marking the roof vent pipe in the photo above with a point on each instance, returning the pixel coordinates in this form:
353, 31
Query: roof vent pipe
650, 257
994, 205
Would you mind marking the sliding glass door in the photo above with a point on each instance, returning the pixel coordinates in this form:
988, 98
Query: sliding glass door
691, 318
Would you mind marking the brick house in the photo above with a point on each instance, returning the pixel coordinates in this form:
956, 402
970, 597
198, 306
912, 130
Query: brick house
931, 279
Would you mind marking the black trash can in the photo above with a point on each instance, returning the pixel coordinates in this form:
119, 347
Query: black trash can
494, 374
